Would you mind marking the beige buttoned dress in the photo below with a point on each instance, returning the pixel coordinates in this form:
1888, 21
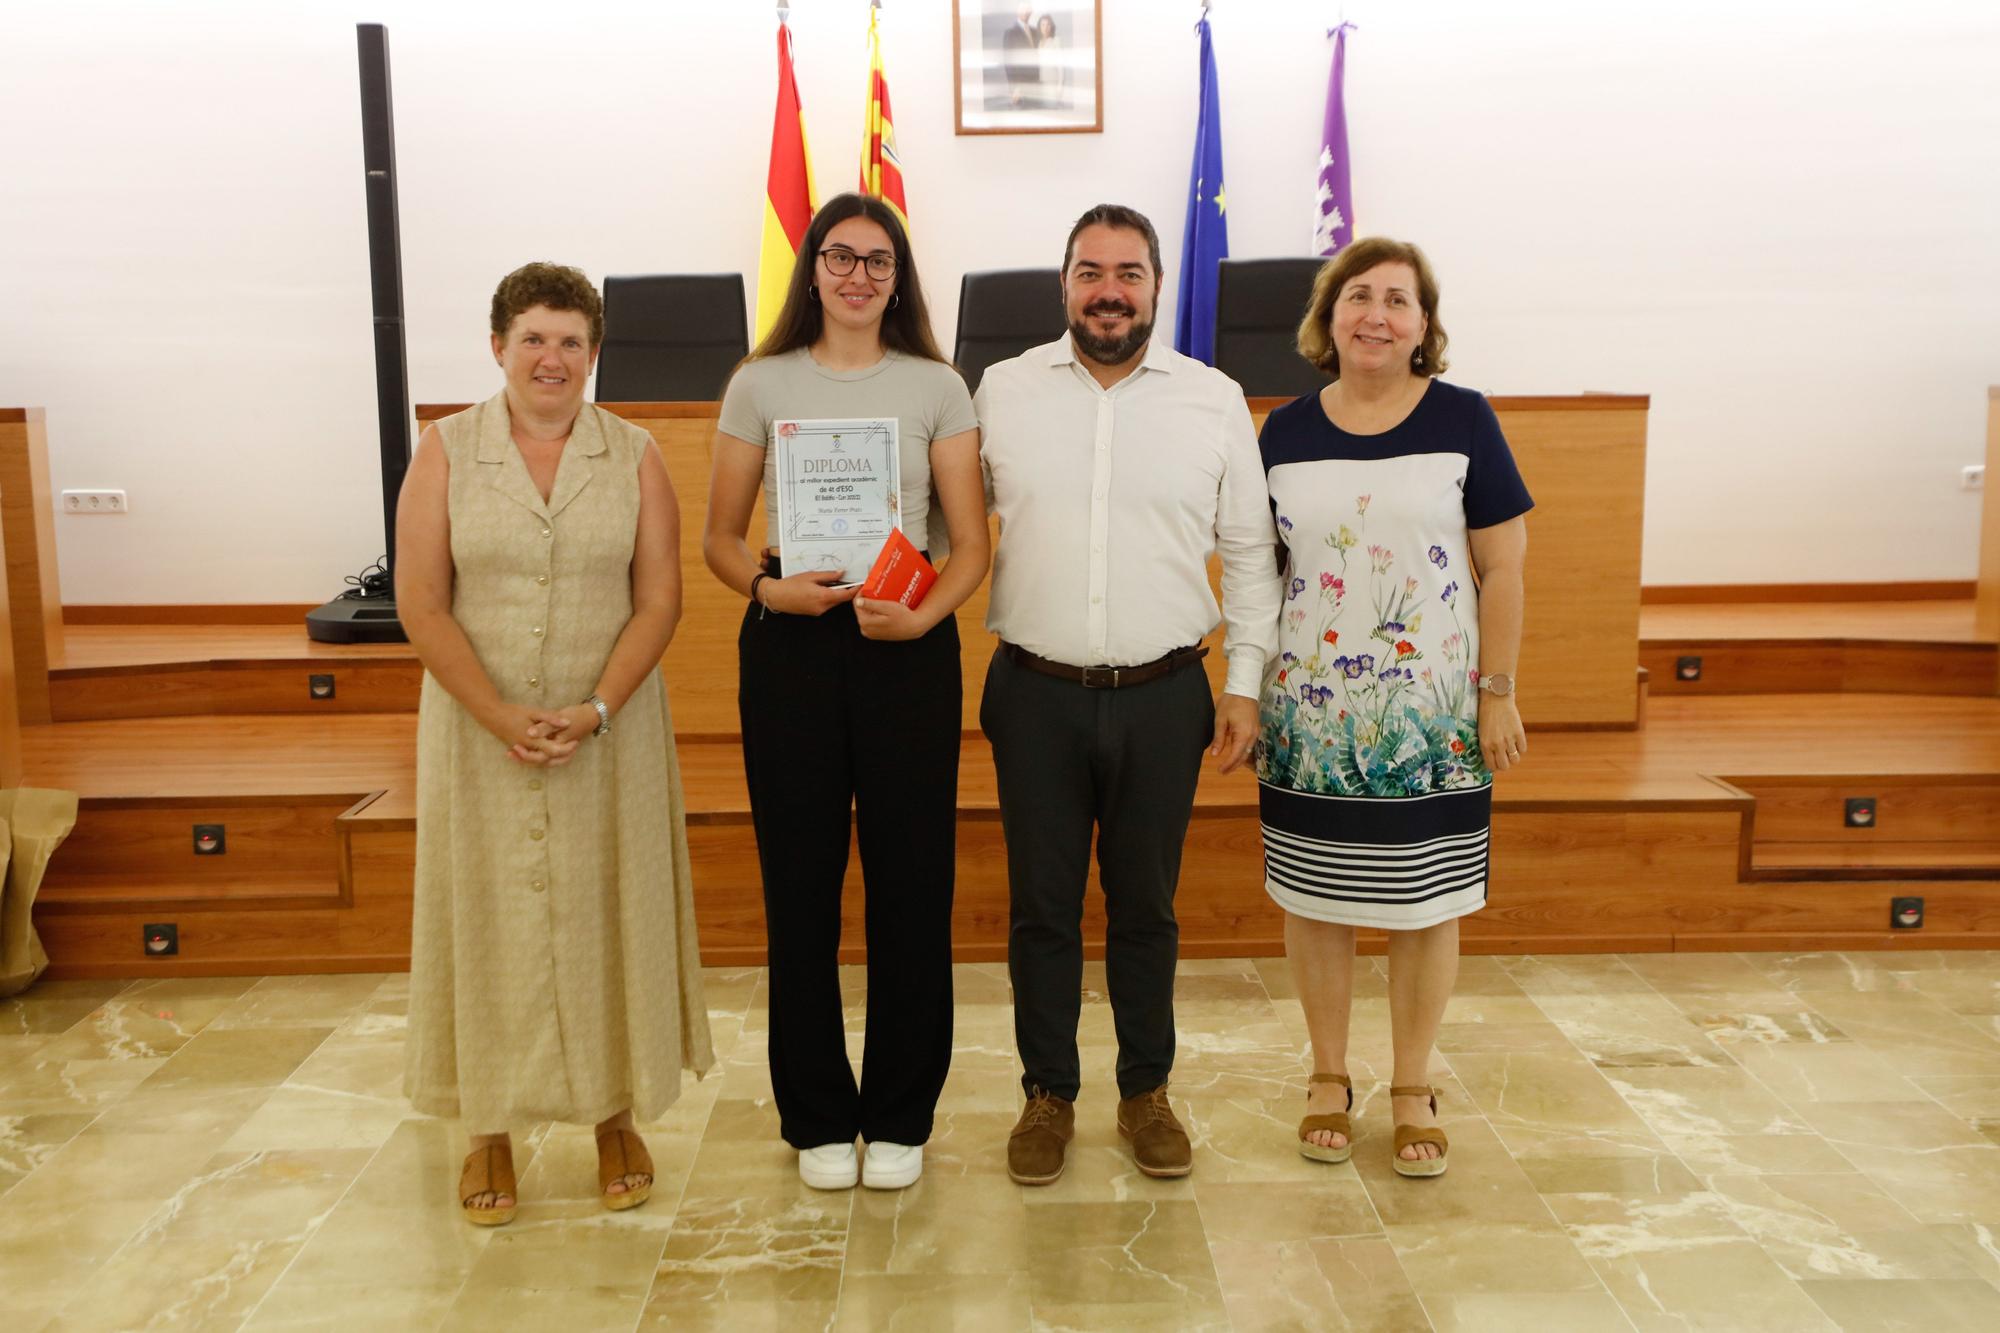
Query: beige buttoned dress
553, 972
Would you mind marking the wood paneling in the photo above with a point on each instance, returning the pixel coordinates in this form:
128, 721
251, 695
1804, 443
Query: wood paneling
1671, 594
94, 647
1939, 826
1846, 666
1941, 807
28, 516
1580, 636
138, 854
1988, 590
1916, 620
1602, 841
223, 613
172, 690
369, 934
1583, 458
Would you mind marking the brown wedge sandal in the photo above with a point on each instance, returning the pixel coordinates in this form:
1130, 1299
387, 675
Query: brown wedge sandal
620, 1153
1406, 1135
1334, 1122
488, 1170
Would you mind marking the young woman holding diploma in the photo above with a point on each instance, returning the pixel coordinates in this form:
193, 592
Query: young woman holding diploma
848, 702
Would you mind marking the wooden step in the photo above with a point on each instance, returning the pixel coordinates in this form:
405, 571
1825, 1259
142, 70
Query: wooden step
135, 671
139, 854
1917, 826
1603, 841
1913, 647
1969, 859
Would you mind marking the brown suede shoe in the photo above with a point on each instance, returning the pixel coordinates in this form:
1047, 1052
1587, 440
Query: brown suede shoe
1036, 1148
1159, 1144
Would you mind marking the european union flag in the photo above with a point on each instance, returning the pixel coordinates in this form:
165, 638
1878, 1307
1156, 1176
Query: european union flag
1205, 244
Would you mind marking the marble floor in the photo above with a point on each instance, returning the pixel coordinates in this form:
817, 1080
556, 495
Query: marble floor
1684, 1141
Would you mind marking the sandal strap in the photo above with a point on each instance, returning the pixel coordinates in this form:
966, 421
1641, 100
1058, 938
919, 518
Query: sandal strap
488, 1170
1417, 1090
1333, 1122
1406, 1135
629, 1159
1342, 1079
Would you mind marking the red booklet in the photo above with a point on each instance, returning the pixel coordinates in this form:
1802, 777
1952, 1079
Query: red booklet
901, 574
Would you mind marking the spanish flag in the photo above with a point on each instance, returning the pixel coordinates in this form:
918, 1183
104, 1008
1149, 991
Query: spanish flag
881, 170
788, 193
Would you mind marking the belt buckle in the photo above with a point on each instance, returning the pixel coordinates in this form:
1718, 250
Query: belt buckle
1100, 677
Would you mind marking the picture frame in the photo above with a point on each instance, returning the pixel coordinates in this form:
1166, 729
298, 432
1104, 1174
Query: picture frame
1028, 68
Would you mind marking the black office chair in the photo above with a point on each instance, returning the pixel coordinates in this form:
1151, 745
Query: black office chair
1258, 306
1002, 313
671, 337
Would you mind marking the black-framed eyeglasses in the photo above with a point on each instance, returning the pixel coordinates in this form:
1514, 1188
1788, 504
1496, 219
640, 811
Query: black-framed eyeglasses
840, 262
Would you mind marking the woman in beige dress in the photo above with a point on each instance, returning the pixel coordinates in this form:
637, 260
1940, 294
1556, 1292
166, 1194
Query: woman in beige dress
553, 973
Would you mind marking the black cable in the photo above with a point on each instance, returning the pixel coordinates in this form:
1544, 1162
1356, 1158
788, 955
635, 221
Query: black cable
370, 584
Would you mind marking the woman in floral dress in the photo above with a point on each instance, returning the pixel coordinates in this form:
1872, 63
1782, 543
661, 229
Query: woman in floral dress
1391, 702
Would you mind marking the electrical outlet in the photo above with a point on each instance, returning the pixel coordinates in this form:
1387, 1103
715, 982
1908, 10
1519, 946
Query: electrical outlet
93, 502
319, 687
161, 939
1972, 478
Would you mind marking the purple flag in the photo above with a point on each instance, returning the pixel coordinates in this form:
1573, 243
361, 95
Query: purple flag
1333, 217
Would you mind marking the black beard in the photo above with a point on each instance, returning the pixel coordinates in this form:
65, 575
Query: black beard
1110, 351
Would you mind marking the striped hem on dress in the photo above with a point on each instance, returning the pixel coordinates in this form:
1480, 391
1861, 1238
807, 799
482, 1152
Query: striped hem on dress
1398, 864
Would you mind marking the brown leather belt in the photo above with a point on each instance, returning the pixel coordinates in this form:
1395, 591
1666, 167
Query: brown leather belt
1104, 677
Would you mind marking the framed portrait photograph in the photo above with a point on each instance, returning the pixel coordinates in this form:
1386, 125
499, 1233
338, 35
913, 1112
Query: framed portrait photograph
1028, 68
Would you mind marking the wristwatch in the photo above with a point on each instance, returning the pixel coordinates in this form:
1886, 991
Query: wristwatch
1499, 684
604, 715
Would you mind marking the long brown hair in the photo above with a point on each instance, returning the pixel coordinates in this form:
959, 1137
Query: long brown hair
906, 324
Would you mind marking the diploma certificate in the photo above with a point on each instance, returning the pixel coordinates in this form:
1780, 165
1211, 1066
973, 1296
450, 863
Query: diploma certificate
839, 493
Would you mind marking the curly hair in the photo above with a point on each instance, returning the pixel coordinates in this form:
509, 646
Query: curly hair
557, 286
1316, 329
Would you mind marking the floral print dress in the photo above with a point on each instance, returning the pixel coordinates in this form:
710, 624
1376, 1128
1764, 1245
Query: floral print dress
1374, 799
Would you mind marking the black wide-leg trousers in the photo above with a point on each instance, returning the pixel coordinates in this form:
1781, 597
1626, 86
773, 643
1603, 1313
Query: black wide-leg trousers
1122, 763
834, 722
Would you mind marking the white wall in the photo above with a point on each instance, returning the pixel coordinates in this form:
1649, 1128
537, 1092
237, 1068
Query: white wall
1779, 220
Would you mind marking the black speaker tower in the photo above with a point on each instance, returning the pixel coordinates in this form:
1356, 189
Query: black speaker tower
367, 614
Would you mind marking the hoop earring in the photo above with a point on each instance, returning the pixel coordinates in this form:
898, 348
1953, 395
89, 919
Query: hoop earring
895, 299
812, 293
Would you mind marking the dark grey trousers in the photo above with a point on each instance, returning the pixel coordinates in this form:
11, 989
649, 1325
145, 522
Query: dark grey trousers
1123, 764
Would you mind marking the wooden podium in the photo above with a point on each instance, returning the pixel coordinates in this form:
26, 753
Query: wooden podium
1584, 459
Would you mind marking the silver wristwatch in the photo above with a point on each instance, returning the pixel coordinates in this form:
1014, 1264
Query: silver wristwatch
1499, 684
604, 715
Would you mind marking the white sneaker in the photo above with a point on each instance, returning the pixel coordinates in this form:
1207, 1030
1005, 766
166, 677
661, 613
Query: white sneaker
831, 1166
892, 1166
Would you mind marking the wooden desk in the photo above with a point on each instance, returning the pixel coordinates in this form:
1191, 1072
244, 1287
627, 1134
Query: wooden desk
1584, 459
28, 516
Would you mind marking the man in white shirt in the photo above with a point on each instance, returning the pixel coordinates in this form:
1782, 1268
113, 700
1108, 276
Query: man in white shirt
1116, 466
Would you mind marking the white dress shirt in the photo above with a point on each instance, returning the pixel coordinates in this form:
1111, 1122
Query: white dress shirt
1110, 501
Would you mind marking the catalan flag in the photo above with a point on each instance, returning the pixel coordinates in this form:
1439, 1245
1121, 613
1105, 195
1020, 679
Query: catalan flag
881, 170
788, 192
